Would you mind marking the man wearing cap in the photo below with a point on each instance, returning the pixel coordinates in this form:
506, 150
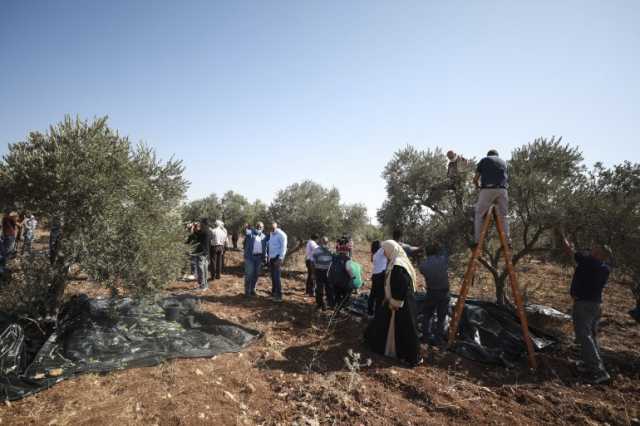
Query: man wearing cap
255, 254
321, 258
589, 279
491, 179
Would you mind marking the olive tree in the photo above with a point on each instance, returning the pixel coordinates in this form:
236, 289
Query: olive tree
116, 201
308, 208
542, 176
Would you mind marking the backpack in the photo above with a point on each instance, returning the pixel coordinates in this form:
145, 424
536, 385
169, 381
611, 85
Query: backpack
337, 274
356, 268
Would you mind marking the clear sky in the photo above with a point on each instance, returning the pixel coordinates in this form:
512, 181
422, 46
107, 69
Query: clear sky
256, 95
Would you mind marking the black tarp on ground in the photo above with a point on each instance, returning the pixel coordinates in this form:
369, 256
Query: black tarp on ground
100, 336
489, 333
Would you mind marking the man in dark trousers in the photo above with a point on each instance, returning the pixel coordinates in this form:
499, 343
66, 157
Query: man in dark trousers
201, 242
491, 179
587, 285
436, 274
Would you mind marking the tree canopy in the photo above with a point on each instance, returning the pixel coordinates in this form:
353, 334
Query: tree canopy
116, 202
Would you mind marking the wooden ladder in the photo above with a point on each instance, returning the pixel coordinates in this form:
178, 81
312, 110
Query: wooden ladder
469, 274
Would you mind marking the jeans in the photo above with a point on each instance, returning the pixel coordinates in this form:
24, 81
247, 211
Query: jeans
202, 263
322, 285
585, 323
252, 267
217, 252
486, 198
311, 279
8, 246
27, 244
276, 283
437, 301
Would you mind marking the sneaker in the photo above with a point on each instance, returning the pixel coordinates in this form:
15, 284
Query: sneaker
600, 378
277, 299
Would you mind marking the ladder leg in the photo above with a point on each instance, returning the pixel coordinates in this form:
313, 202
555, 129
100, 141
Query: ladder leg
468, 276
515, 290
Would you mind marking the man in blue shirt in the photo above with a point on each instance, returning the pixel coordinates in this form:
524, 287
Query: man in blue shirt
255, 254
587, 285
491, 179
277, 249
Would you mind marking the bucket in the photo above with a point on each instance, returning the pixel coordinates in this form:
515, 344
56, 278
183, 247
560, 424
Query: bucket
171, 312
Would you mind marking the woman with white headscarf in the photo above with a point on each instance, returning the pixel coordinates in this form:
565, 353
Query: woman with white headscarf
394, 330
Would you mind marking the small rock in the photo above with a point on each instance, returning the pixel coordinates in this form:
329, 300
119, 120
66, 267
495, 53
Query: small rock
201, 416
250, 388
199, 372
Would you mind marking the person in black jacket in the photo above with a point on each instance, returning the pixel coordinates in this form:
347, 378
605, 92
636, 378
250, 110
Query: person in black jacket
589, 279
200, 240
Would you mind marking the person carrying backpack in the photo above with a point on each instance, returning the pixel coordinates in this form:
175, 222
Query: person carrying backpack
321, 257
345, 275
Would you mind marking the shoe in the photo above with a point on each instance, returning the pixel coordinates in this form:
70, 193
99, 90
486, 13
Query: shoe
600, 378
582, 367
277, 299
635, 314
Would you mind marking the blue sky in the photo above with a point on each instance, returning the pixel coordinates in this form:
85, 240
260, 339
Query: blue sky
256, 95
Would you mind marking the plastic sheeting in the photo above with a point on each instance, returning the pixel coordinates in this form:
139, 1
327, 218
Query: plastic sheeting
489, 333
101, 336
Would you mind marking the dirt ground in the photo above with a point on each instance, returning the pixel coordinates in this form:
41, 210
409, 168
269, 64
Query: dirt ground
296, 373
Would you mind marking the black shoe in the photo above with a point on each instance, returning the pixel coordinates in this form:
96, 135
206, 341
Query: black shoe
600, 378
635, 314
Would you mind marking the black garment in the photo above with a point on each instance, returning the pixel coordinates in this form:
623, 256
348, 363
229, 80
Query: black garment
311, 280
589, 278
234, 240
202, 242
376, 295
437, 301
493, 172
217, 261
342, 295
406, 329
322, 284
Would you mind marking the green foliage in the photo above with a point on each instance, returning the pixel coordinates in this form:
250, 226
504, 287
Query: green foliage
308, 208
209, 207
542, 178
117, 203
605, 209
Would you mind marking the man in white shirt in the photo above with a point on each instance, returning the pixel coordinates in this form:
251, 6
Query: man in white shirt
308, 260
218, 242
277, 249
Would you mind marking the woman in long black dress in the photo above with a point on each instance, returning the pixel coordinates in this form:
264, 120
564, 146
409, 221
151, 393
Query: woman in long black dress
394, 331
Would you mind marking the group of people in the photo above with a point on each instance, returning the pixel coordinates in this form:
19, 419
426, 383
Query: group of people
15, 229
333, 275
209, 244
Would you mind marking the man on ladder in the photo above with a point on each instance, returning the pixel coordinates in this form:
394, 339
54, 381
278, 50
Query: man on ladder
491, 179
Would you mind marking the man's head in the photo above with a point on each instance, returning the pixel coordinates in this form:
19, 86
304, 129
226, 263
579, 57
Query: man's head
204, 222
324, 241
397, 235
602, 252
375, 246
259, 226
219, 223
342, 245
314, 237
274, 226
492, 153
451, 155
